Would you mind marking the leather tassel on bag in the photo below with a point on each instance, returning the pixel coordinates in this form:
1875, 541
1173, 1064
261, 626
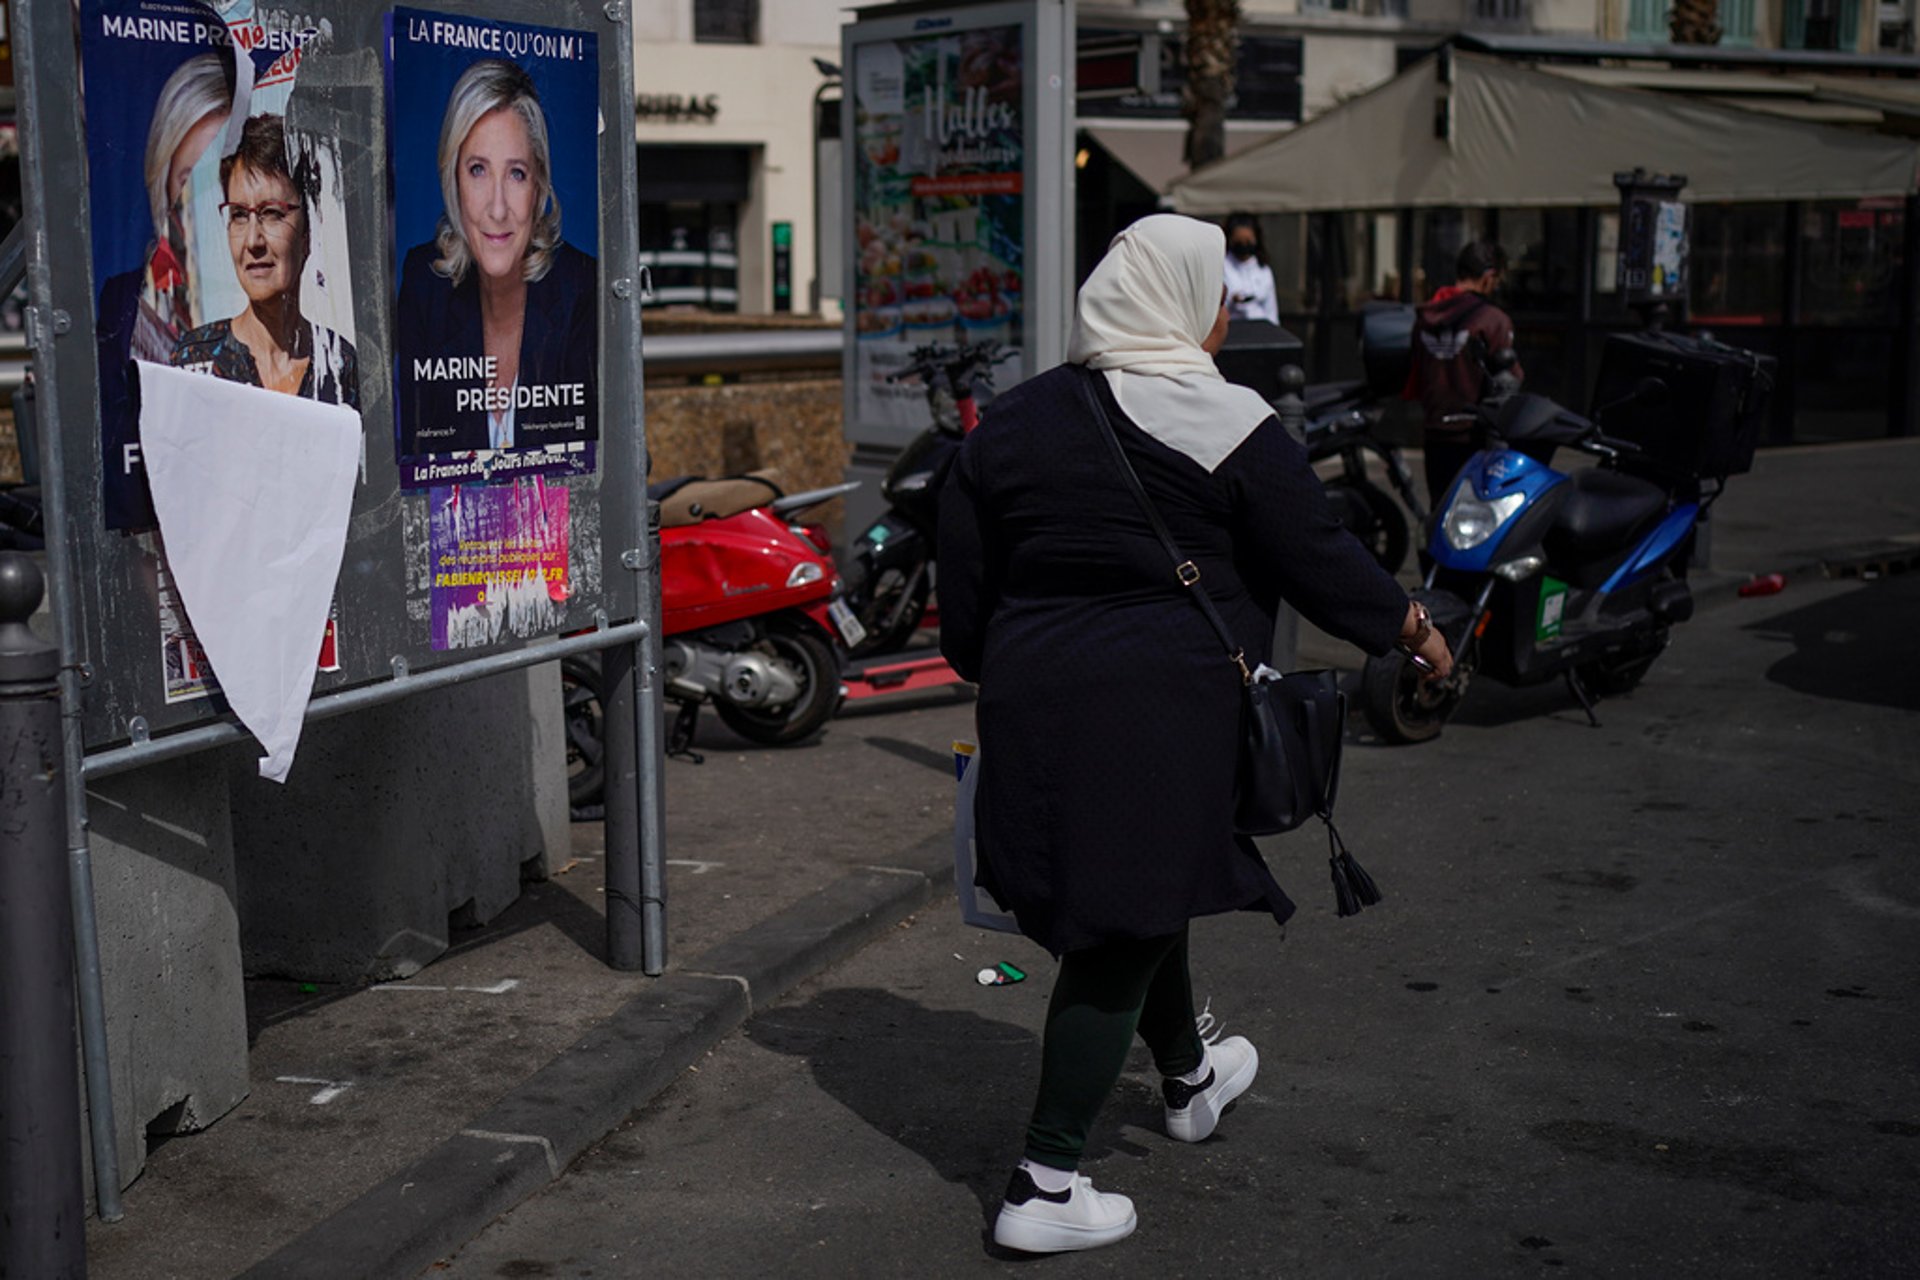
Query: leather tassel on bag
1353, 888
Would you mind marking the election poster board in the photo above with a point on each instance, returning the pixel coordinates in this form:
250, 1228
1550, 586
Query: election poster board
958, 123
193, 231
494, 133
194, 131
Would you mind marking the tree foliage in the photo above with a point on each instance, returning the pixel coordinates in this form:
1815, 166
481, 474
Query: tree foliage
1695, 22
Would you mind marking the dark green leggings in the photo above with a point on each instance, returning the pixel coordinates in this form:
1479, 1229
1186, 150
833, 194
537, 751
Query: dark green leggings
1100, 998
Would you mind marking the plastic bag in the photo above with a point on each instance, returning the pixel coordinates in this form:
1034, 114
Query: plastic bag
977, 906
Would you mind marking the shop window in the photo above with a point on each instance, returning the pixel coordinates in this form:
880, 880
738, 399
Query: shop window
1647, 21
1503, 12
1543, 260
1736, 22
1438, 237
691, 252
726, 21
1819, 24
1737, 265
1852, 255
1285, 237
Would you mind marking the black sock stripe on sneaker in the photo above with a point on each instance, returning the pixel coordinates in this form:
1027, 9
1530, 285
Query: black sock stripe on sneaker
1021, 1188
1179, 1093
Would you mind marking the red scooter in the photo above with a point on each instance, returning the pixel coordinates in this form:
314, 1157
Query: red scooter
751, 621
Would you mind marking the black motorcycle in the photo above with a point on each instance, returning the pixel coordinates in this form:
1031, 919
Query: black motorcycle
1341, 420
889, 576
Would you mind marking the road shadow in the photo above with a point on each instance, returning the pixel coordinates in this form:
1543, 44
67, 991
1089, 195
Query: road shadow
1851, 647
1491, 705
950, 1086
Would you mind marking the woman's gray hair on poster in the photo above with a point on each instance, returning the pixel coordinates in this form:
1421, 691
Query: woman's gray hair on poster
490, 85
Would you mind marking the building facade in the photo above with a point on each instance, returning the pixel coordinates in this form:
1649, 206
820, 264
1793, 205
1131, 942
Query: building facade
724, 121
732, 98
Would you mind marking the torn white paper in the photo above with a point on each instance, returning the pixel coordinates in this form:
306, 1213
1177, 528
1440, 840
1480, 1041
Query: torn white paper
253, 490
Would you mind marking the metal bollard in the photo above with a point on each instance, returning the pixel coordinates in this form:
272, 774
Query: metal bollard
1290, 406
41, 1201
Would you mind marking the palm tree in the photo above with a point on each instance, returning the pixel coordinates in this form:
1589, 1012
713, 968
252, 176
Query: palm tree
1695, 22
1213, 41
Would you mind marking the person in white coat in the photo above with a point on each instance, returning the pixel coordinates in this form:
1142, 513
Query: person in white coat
1250, 293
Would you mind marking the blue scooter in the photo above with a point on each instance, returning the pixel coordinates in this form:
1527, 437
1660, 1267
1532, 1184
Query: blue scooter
1540, 573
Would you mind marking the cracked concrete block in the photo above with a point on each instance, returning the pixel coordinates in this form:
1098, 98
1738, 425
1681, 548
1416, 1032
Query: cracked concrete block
175, 1002
393, 819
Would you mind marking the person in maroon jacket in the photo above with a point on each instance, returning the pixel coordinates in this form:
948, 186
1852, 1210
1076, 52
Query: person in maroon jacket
1453, 335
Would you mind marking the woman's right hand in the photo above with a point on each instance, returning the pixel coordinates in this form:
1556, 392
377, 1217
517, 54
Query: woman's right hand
1421, 640
1434, 653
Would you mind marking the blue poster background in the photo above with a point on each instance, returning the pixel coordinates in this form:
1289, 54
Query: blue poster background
427, 53
134, 69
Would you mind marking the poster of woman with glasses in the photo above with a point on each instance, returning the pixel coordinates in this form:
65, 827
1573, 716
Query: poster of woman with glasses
218, 232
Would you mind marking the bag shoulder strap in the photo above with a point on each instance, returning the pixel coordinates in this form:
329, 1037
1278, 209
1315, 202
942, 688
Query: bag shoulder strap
1184, 569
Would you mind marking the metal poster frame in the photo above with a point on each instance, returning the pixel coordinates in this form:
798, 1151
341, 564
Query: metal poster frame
111, 722
1047, 105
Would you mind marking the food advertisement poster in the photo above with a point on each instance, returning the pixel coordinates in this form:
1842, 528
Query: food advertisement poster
218, 234
495, 133
499, 561
939, 208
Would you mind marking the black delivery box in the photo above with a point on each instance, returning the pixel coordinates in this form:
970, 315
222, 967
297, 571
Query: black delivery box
1706, 425
1386, 347
1253, 354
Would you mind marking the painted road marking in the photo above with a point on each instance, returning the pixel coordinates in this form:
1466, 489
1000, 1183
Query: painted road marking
330, 1089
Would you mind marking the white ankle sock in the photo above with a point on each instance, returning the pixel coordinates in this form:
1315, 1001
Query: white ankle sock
1196, 1075
1048, 1178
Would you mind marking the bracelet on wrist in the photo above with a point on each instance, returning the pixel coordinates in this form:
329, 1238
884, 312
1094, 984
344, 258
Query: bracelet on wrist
1422, 628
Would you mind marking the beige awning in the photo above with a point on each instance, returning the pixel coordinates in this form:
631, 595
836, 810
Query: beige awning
1524, 137
1153, 150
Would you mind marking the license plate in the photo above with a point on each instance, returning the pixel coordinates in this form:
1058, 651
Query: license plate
850, 629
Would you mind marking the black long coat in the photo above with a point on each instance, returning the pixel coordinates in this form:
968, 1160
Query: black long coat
1109, 713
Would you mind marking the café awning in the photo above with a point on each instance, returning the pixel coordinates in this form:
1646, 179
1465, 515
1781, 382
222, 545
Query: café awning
1507, 134
1154, 150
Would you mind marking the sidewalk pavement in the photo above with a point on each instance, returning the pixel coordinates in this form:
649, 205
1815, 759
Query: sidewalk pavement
389, 1124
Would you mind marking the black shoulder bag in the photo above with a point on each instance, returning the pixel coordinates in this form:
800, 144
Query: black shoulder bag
1293, 726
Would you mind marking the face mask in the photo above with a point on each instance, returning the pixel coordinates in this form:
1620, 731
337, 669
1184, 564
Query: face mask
1241, 252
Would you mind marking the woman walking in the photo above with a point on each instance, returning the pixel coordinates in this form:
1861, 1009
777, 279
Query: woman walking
1109, 719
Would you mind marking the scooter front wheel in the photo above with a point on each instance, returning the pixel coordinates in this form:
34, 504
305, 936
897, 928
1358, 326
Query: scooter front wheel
810, 661
1401, 706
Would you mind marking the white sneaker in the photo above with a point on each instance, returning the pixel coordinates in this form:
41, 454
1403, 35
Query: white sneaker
1036, 1221
1194, 1109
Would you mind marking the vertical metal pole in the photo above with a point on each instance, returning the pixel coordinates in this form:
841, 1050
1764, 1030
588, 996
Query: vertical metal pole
42, 1205
619, 715
49, 30
631, 689
649, 712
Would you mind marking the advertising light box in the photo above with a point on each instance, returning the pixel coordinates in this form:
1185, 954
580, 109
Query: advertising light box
958, 228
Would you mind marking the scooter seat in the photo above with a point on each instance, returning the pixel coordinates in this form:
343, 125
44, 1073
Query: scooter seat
1603, 512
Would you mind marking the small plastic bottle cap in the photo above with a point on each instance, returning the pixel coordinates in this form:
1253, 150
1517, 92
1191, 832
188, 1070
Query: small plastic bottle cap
988, 977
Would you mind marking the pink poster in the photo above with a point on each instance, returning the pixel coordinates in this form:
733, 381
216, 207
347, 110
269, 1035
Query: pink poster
499, 562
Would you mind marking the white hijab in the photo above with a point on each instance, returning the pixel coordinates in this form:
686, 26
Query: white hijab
1141, 318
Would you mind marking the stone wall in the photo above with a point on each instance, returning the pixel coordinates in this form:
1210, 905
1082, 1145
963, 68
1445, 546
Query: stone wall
791, 426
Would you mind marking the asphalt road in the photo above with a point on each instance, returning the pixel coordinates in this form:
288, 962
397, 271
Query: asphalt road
1641, 1002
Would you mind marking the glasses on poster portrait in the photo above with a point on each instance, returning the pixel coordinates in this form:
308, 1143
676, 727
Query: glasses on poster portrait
274, 216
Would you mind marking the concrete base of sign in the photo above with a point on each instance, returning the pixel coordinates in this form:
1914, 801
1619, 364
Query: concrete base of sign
395, 819
164, 891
